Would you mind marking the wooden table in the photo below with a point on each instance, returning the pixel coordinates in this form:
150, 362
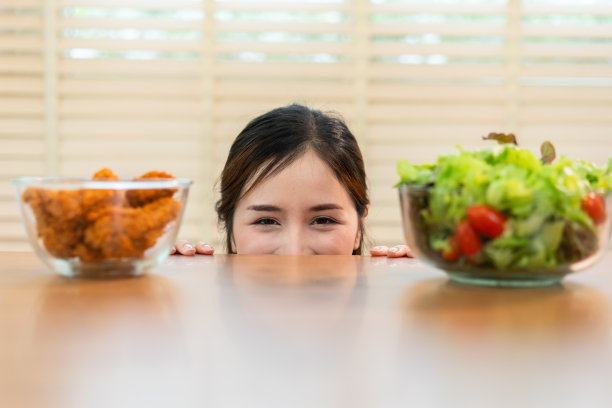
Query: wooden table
300, 331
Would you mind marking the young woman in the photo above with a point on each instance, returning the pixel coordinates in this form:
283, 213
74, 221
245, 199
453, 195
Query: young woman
294, 183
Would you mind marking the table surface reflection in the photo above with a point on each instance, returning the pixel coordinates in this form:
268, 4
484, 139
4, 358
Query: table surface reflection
300, 331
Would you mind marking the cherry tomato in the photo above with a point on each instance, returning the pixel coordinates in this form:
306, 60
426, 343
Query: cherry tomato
454, 251
486, 220
468, 238
595, 205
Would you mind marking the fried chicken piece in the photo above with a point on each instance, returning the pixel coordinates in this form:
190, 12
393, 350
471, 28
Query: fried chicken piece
50, 206
105, 174
154, 174
87, 254
128, 232
61, 238
59, 219
138, 198
94, 200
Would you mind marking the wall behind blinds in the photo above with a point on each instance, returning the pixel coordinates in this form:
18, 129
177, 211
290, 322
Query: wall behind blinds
137, 85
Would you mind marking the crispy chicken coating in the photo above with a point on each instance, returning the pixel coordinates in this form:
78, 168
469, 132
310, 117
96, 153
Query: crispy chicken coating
58, 218
98, 224
93, 201
105, 174
123, 232
138, 198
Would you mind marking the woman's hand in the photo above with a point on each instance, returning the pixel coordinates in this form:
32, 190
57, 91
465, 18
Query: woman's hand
397, 251
184, 247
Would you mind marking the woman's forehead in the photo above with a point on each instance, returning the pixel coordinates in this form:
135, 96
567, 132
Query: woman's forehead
308, 163
307, 180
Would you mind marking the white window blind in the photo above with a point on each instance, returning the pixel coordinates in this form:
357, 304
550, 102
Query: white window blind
138, 85
22, 106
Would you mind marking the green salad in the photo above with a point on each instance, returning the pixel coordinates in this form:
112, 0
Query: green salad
504, 207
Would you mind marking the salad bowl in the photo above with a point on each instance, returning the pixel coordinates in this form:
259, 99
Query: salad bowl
503, 217
414, 204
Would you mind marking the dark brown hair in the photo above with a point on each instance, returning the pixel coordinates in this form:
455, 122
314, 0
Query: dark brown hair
272, 141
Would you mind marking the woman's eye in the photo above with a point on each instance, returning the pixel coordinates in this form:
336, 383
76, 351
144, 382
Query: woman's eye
266, 221
324, 221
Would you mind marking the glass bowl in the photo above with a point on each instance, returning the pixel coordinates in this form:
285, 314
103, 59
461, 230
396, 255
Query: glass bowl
413, 202
101, 228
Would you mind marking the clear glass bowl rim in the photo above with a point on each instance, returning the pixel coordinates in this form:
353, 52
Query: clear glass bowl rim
78, 183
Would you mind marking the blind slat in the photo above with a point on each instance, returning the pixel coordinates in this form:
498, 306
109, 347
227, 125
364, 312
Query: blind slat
21, 22
21, 106
566, 9
281, 26
236, 88
412, 71
568, 50
113, 107
132, 148
22, 4
114, 45
457, 8
185, 88
471, 50
590, 134
458, 93
13, 231
447, 29
282, 48
584, 113
19, 244
21, 147
15, 42
129, 23
13, 127
135, 128
20, 85
435, 133
559, 94
263, 5
565, 70
431, 113
21, 65
566, 31
284, 70
239, 108
9, 209
126, 67
135, 4
14, 167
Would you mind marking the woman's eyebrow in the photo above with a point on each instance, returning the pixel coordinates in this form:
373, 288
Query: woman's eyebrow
264, 207
273, 208
325, 207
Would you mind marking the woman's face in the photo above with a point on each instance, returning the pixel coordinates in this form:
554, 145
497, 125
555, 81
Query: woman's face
301, 210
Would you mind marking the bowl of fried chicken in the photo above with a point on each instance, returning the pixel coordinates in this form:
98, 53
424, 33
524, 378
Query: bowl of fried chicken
103, 226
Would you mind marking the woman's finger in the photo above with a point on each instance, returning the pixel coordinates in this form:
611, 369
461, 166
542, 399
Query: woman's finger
399, 251
380, 250
204, 249
184, 247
